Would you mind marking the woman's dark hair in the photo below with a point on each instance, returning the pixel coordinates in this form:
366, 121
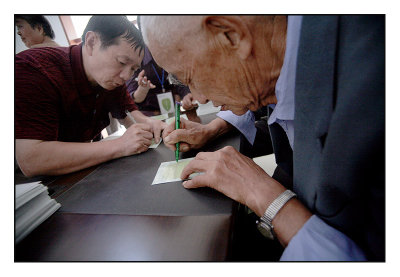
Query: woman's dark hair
111, 27
37, 20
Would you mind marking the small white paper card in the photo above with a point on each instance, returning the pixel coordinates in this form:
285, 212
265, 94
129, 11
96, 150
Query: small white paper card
171, 171
166, 102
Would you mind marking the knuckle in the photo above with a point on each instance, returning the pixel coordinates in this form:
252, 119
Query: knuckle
229, 149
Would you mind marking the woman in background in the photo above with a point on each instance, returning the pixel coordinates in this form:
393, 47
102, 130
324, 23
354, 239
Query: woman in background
35, 31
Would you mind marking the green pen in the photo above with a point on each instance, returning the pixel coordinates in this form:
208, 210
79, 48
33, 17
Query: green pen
177, 126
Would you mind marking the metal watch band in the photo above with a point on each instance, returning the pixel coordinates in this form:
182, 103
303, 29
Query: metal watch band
276, 205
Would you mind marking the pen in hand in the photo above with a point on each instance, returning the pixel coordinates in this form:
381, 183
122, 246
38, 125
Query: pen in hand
177, 126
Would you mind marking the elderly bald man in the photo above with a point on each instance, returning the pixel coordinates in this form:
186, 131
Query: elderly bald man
330, 68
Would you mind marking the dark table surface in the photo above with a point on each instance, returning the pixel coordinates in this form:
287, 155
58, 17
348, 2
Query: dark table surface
111, 212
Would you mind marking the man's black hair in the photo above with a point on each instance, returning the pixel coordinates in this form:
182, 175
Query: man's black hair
111, 28
37, 20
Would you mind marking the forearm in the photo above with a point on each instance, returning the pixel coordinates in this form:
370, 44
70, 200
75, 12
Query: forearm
217, 127
289, 219
139, 117
128, 121
133, 117
56, 158
140, 94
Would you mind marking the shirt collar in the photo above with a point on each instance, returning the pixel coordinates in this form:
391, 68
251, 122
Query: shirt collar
285, 85
83, 84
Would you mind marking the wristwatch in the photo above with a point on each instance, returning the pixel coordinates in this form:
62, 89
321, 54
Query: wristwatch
264, 224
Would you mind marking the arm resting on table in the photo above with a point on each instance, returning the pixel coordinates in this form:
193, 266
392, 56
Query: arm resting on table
38, 157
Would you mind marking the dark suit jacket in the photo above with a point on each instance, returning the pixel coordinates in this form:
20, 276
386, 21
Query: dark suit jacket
339, 151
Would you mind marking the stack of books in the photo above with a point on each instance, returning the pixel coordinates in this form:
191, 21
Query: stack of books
33, 205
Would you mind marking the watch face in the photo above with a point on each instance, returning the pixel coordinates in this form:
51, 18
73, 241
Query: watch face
265, 230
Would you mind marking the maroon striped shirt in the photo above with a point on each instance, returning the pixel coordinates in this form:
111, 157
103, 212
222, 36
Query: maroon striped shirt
55, 101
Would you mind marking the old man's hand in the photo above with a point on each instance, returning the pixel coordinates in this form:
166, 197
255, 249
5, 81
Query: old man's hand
192, 135
234, 175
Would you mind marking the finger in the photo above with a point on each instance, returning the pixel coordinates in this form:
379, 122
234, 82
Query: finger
180, 135
141, 74
195, 166
150, 84
186, 100
145, 82
147, 142
186, 105
184, 147
147, 135
157, 133
184, 123
170, 128
196, 182
142, 148
170, 146
142, 126
209, 156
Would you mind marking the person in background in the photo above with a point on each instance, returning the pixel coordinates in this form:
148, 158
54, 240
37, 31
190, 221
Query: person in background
63, 96
35, 31
150, 81
321, 75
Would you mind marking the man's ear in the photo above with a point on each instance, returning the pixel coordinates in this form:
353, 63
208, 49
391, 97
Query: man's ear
231, 32
91, 39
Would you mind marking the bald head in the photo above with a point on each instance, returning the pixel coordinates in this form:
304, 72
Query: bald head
169, 33
232, 60
162, 28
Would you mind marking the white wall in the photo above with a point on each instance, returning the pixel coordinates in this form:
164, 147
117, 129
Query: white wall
55, 23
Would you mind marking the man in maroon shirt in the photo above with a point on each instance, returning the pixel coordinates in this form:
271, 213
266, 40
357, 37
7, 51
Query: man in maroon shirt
63, 97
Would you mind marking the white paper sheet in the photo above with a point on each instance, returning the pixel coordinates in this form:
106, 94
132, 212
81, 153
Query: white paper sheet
171, 171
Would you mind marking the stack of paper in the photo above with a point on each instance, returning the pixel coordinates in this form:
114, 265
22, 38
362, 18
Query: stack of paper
33, 205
